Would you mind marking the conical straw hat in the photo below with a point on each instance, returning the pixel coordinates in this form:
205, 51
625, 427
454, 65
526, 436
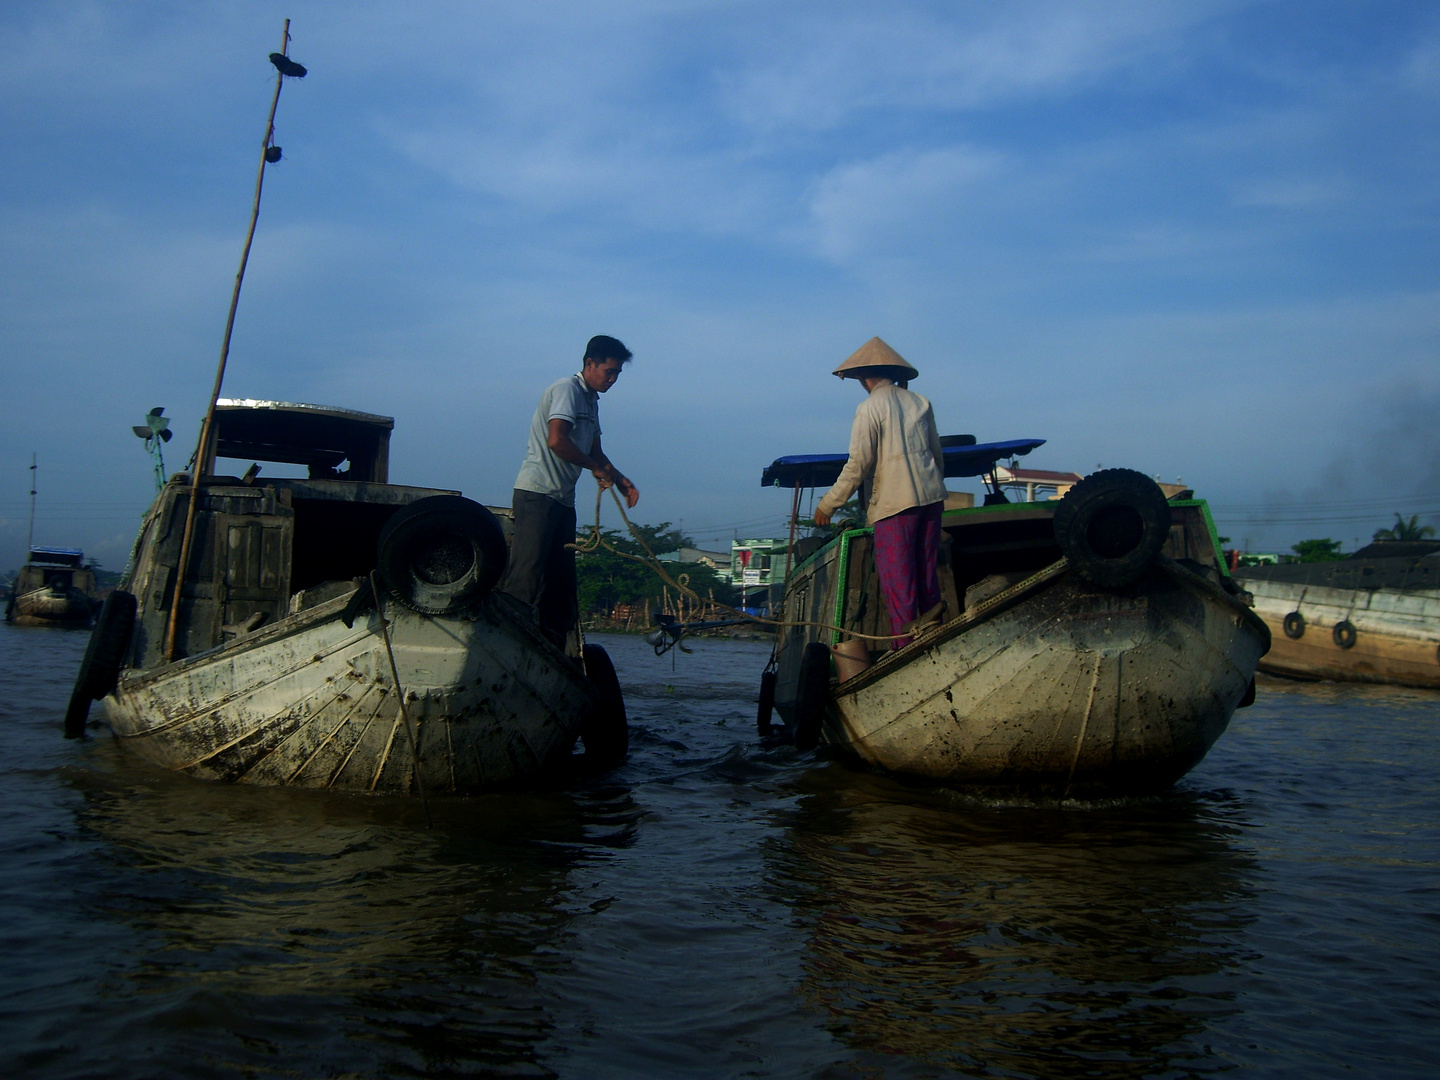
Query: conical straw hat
876, 354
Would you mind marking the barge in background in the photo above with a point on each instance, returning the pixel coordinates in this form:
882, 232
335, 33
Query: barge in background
1093, 644
55, 587
1371, 617
286, 666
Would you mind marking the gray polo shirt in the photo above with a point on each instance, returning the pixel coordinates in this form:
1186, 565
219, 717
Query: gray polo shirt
543, 471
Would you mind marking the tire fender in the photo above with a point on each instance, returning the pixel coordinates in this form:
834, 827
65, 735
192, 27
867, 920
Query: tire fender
1294, 625
766, 705
104, 655
1344, 634
1111, 525
606, 734
438, 555
812, 696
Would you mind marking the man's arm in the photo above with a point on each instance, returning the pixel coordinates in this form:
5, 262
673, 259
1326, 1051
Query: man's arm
605, 473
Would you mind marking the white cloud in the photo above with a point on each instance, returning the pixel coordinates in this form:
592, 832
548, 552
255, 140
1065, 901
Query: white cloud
819, 68
877, 206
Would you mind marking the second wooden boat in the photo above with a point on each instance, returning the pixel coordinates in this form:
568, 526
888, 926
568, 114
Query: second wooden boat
1092, 644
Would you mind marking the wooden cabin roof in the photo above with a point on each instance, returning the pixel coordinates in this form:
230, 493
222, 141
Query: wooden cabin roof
320, 436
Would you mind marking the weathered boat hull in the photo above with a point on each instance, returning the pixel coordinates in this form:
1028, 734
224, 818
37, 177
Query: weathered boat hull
311, 702
1396, 633
1071, 689
48, 607
1044, 681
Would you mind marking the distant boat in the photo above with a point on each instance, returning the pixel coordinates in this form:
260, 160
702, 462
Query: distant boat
55, 587
1091, 644
1372, 617
285, 663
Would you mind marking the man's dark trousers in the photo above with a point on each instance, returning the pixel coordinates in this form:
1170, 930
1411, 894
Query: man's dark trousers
542, 569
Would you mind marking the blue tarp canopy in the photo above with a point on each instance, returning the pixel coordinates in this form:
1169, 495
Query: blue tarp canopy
817, 470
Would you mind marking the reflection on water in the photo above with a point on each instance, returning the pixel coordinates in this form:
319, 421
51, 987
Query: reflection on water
717, 908
343, 925
1015, 940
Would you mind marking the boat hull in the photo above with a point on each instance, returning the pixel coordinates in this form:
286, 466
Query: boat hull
1396, 633
311, 702
48, 607
1071, 689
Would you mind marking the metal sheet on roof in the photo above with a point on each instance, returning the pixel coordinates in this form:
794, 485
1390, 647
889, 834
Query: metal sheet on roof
300, 407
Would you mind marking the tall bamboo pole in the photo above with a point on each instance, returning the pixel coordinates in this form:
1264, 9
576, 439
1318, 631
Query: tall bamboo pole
202, 451
30, 541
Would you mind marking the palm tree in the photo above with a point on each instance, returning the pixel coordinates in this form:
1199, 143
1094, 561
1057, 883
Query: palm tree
1405, 530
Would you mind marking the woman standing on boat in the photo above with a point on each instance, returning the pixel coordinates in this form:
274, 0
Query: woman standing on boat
895, 453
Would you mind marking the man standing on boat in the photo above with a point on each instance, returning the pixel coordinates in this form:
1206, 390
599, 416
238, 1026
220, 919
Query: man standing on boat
564, 439
895, 453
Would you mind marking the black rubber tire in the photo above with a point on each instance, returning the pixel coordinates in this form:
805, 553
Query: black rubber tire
1344, 634
606, 735
1294, 626
812, 695
104, 654
1111, 525
766, 705
440, 554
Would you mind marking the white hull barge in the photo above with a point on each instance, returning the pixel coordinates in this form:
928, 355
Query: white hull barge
1374, 617
284, 671
55, 587
1091, 645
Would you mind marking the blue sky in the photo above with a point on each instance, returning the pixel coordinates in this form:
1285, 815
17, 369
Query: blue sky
1196, 239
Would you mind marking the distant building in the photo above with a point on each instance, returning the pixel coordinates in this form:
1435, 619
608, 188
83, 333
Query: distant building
758, 567
1042, 485
716, 560
1258, 558
1039, 485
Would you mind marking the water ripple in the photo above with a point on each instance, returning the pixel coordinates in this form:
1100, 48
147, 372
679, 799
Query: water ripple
717, 907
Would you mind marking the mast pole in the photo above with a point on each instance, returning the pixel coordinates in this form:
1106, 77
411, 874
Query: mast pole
30, 541
202, 451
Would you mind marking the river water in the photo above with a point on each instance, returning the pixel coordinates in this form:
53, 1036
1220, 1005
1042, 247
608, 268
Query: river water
718, 909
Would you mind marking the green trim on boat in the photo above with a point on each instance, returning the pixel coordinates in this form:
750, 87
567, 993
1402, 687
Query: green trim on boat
1204, 508
842, 578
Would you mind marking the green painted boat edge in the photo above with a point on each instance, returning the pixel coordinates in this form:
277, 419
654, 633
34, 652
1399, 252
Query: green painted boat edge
842, 577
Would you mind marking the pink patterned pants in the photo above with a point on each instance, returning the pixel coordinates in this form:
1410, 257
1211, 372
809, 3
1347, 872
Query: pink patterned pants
907, 560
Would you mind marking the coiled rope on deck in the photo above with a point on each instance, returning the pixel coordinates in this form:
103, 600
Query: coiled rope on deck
649, 559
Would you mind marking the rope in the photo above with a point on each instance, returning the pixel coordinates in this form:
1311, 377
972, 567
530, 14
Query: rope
597, 540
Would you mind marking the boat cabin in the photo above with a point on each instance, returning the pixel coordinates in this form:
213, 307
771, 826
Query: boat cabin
56, 568
266, 548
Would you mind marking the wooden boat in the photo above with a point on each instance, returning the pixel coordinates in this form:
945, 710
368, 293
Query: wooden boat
1090, 644
55, 587
288, 668
1373, 617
